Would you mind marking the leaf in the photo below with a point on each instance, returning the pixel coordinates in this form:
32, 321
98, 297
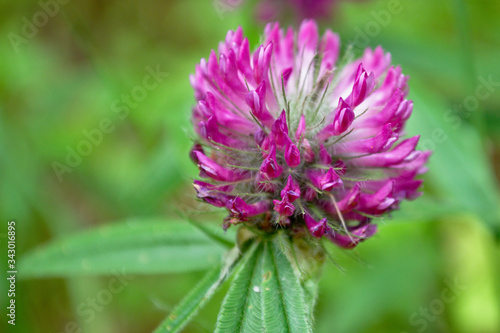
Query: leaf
136, 247
284, 304
197, 298
241, 309
265, 296
224, 241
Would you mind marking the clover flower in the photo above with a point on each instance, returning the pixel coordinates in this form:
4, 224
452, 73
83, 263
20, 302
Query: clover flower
292, 138
268, 10
303, 9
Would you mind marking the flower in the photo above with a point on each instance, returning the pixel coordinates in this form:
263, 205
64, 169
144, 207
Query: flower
289, 138
303, 9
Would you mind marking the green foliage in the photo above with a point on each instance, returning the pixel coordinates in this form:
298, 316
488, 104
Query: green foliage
265, 296
139, 247
193, 302
198, 296
237, 312
283, 300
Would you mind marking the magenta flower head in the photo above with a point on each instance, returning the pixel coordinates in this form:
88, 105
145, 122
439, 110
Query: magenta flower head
289, 137
303, 9
268, 10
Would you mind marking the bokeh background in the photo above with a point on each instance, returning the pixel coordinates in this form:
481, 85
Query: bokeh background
60, 80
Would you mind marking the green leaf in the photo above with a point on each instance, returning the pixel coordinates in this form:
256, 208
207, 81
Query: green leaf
241, 309
265, 296
197, 298
224, 241
284, 304
136, 247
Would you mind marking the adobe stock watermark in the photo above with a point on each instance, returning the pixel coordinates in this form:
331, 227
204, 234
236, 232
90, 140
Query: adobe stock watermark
31, 26
121, 108
89, 309
382, 18
456, 115
420, 319
224, 6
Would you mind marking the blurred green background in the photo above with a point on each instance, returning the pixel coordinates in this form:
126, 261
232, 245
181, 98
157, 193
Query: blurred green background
61, 80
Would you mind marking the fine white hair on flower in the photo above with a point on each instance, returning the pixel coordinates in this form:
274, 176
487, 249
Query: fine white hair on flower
290, 136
